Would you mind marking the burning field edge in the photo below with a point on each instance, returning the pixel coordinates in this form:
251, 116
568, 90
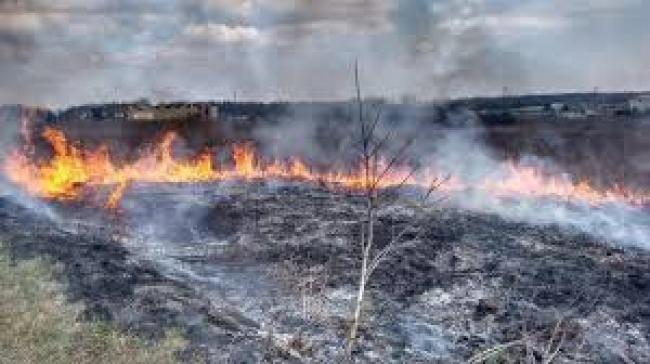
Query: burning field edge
77, 173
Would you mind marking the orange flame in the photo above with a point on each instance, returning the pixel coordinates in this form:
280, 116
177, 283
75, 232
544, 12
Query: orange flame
530, 181
73, 172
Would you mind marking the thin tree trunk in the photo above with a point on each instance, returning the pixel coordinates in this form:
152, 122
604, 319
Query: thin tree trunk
367, 236
367, 242
356, 318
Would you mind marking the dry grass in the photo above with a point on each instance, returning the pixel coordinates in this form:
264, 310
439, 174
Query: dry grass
38, 325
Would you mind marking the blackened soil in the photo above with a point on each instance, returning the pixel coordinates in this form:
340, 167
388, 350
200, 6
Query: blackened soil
116, 286
500, 274
469, 282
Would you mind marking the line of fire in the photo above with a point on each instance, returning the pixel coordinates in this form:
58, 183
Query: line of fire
103, 149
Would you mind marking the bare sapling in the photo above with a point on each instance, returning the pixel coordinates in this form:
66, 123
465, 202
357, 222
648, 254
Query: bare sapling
378, 162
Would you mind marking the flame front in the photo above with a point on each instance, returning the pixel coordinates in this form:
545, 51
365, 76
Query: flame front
73, 172
531, 181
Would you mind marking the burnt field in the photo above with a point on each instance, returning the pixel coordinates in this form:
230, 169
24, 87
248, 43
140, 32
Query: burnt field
257, 271
244, 232
324, 181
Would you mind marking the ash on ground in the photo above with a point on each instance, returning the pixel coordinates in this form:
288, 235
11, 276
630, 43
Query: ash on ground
256, 273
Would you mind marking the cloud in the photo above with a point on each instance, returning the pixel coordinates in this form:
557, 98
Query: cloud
507, 24
19, 34
99, 7
15, 47
73, 51
22, 23
363, 15
223, 33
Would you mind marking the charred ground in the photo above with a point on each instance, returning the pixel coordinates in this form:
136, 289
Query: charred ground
258, 272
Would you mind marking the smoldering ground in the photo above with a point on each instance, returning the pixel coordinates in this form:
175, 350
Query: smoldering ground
258, 245
455, 142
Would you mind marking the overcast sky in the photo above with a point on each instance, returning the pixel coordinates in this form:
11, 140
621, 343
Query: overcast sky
62, 52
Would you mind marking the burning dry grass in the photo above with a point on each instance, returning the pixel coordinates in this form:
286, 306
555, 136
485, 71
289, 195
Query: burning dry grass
76, 173
37, 325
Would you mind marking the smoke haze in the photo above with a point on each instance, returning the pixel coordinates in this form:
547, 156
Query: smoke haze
71, 52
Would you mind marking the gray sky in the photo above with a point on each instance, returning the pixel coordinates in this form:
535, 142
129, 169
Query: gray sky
62, 52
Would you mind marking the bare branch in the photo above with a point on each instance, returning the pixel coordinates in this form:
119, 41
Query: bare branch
357, 86
396, 243
373, 126
551, 357
399, 185
489, 353
551, 353
393, 162
382, 143
383, 254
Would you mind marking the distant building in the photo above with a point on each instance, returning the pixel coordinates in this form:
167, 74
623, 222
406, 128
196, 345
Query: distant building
640, 104
529, 110
213, 112
613, 109
120, 114
589, 109
173, 111
142, 111
570, 111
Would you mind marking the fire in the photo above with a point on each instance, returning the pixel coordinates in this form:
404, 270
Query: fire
71, 171
63, 176
74, 172
244, 158
531, 181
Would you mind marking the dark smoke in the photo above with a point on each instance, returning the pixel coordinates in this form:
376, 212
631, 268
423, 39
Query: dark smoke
15, 47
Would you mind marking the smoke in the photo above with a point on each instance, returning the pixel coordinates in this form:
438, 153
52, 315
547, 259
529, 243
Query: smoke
73, 52
454, 142
449, 141
319, 134
11, 138
15, 47
76, 52
465, 153
450, 50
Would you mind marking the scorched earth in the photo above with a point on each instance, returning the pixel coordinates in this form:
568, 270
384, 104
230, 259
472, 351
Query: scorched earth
268, 271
